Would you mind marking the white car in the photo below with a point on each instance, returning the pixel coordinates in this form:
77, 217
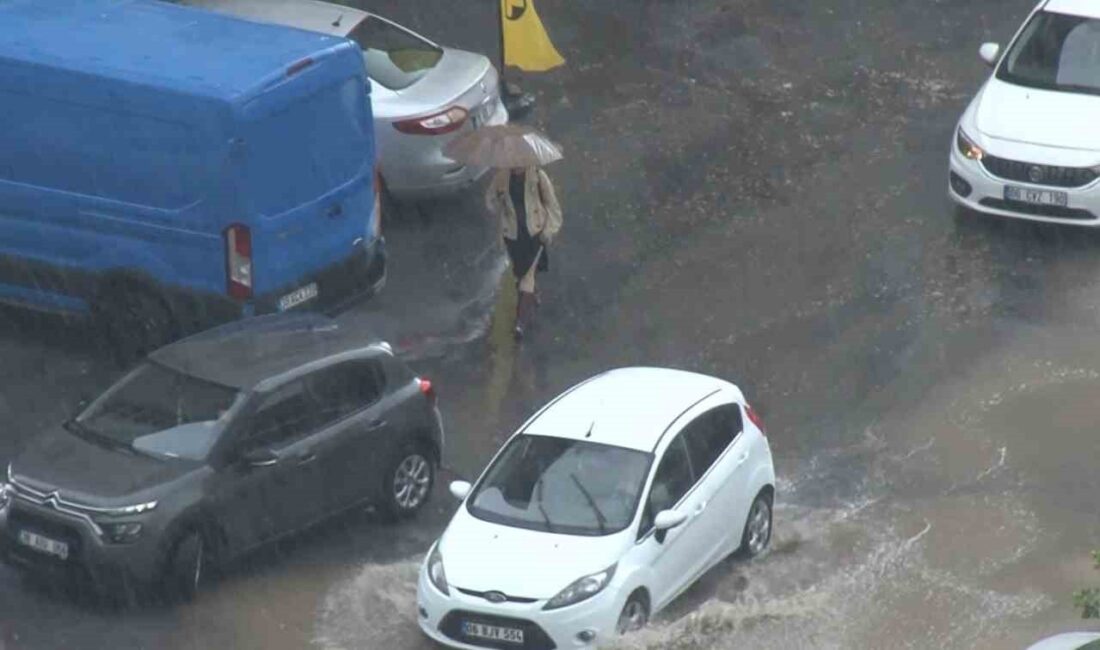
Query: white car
1069, 641
602, 508
422, 94
1028, 146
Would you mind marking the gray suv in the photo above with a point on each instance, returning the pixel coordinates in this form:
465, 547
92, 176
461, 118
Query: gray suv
217, 444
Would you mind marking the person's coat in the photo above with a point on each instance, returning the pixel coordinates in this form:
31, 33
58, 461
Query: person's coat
543, 210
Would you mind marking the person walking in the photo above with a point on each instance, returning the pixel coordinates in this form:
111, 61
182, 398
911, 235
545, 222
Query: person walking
527, 208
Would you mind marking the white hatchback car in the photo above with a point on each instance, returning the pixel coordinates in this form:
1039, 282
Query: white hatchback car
1028, 145
602, 508
1069, 641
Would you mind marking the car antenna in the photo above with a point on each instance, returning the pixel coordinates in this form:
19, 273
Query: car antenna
590, 427
336, 23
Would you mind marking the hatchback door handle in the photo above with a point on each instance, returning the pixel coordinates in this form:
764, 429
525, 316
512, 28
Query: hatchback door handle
743, 458
307, 457
701, 507
376, 424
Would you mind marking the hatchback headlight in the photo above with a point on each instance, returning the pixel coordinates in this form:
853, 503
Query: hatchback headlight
967, 147
435, 570
582, 589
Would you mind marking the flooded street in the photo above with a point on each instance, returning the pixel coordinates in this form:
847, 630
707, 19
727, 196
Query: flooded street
754, 190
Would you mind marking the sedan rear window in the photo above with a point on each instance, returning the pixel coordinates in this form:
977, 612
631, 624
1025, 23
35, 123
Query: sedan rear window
564, 486
395, 57
159, 411
1055, 52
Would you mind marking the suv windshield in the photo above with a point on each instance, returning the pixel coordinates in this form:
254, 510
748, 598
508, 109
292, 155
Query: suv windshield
395, 58
1056, 52
159, 411
562, 486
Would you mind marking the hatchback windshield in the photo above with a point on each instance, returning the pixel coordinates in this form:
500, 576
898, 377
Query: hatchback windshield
1056, 52
562, 486
159, 411
395, 58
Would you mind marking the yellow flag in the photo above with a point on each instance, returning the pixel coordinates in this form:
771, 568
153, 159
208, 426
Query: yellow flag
526, 44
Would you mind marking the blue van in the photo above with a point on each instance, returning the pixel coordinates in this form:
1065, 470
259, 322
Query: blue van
164, 169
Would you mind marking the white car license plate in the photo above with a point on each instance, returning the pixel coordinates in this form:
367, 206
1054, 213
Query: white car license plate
493, 632
1036, 197
44, 544
298, 296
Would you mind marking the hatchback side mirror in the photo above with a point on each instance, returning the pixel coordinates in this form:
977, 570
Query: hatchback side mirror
665, 521
260, 457
460, 489
990, 52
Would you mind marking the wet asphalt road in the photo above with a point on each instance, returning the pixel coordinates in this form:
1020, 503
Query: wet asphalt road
756, 190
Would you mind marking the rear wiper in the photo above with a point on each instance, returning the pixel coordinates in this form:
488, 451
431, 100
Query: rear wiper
600, 519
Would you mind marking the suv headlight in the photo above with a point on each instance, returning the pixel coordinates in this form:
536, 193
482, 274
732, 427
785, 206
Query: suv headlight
5, 495
435, 570
967, 147
582, 589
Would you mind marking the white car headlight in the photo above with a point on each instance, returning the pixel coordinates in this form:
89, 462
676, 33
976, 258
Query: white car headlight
967, 147
435, 570
582, 588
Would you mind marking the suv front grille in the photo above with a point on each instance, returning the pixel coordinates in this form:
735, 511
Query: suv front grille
534, 637
1050, 175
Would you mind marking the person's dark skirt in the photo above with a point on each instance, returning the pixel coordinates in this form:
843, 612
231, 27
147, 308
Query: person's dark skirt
523, 249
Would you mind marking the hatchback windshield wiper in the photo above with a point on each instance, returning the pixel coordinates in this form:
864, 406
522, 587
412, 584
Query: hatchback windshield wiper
538, 502
600, 519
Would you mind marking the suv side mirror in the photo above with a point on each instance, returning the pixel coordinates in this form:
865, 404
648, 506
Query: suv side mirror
260, 457
990, 53
460, 489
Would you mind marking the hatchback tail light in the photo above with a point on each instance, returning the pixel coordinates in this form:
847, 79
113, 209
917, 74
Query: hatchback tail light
756, 419
238, 261
436, 124
427, 390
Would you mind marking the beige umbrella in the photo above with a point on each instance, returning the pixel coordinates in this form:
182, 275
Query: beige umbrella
503, 146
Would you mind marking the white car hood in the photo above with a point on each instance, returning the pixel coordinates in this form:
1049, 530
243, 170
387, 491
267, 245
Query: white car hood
1041, 117
482, 556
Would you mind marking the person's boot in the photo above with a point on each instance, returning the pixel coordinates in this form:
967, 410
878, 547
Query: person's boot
525, 313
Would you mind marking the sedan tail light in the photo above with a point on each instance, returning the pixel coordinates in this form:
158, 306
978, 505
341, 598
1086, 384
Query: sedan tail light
238, 261
756, 419
436, 124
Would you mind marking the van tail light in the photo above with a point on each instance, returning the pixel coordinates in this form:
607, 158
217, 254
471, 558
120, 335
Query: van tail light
427, 390
756, 419
238, 261
449, 120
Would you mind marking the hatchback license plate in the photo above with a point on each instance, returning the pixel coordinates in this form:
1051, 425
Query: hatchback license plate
44, 544
298, 296
1036, 197
493, 632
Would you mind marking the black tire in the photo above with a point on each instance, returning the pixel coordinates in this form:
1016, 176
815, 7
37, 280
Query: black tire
757, 533
185, 567
391, 208
131, 320
635, 614
407, 481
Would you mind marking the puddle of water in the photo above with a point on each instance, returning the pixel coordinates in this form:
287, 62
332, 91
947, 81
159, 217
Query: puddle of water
374, 609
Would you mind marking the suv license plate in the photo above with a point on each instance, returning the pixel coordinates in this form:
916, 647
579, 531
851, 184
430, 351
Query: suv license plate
44, 544
493, 632
1036, 197
298, 296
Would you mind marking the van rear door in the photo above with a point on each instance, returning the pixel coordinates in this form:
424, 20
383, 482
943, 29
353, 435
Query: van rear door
308, 177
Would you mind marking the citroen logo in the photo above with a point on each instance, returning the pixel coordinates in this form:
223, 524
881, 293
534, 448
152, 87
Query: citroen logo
495, 597
1035, 174
51, 499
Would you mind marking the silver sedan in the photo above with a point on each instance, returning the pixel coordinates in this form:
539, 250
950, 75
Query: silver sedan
423, 94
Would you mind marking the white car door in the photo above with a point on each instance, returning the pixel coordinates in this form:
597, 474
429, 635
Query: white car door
671, 554
719, 451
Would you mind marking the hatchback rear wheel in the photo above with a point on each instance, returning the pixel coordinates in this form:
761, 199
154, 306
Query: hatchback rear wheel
758, 527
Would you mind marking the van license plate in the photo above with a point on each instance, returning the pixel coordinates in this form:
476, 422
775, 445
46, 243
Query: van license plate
298, 296
1036, 197
44, 544
493, 632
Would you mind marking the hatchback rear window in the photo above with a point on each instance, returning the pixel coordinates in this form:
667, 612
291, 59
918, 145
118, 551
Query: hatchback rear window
395, 58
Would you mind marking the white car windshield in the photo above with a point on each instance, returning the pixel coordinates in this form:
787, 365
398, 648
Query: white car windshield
1055, 52
563, 486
